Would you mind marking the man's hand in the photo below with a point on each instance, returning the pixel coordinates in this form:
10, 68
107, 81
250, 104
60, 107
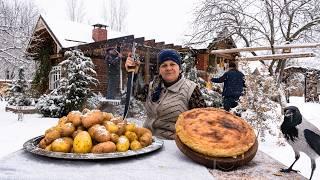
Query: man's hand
132, 65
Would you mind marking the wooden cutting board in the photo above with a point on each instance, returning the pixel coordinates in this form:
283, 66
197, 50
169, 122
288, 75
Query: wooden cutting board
222, 163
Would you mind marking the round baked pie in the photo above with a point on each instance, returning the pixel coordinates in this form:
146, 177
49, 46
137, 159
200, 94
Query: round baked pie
214, 132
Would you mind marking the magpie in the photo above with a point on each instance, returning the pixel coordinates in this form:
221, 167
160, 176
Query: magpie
301, 135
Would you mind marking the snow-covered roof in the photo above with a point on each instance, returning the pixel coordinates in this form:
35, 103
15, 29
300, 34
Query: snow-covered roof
69, 33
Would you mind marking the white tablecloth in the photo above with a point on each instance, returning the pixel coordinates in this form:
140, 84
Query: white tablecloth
164, 164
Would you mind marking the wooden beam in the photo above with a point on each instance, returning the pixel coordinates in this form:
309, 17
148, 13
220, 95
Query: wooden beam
139, 40
168, 46
276, 56
226, 56
261, 48
150, 42
177, 47
160, 45
147, 67
55, 56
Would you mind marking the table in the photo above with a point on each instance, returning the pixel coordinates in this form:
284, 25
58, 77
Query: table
164, 164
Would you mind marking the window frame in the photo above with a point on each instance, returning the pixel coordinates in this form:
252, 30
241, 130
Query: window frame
54, 77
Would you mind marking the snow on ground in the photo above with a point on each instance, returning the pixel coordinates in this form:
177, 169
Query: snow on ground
14, 133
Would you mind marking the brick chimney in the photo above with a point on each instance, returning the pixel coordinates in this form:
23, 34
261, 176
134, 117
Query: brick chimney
99, 32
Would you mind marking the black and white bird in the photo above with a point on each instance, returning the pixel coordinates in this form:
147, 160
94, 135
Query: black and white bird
301, 135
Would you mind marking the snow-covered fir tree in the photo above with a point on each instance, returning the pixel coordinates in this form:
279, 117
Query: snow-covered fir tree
212, 98
76, 84
17, 90
260, 104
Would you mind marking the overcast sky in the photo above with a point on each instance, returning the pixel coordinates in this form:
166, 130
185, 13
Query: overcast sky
163, 20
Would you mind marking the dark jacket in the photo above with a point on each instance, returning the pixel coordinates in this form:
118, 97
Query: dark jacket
113, 62
233, 83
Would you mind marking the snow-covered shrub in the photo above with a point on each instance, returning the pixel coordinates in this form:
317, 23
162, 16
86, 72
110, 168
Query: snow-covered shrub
94, 101
212, 98
257, 105
51, 105
19, 101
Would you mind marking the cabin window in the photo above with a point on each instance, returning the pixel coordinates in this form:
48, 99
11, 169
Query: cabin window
54, 77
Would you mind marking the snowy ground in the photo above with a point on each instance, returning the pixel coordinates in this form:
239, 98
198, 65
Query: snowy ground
14, 133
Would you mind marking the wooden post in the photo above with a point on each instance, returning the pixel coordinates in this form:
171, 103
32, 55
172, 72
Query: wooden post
147, 67
305, 87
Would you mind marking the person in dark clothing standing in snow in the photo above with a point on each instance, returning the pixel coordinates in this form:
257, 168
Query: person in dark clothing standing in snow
168, 95
113, 59
233, 85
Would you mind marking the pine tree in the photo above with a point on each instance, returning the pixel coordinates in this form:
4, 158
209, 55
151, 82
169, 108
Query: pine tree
76, 84
17, 90
212, 98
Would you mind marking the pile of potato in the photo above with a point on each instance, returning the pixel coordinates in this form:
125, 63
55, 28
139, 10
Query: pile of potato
94, 132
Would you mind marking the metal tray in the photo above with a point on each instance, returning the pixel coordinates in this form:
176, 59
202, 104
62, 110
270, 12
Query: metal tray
32, 147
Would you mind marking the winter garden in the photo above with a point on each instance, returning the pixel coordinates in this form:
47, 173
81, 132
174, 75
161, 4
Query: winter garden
263, 112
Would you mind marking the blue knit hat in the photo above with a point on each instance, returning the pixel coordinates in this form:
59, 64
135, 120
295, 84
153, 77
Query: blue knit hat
169, 54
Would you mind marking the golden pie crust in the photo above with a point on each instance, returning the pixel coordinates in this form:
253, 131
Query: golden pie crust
214, 132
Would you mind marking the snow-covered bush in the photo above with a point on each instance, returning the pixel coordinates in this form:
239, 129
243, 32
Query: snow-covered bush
51, 105
257, 105
94, 101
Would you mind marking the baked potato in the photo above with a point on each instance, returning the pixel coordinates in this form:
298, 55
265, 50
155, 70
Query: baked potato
99, 133
145, 139
104, 147
135, 145
131, 135
51, 136
91, 118
111, 127
82, 143
75, 118
123, 144
61, 145
107, 116
67, 129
